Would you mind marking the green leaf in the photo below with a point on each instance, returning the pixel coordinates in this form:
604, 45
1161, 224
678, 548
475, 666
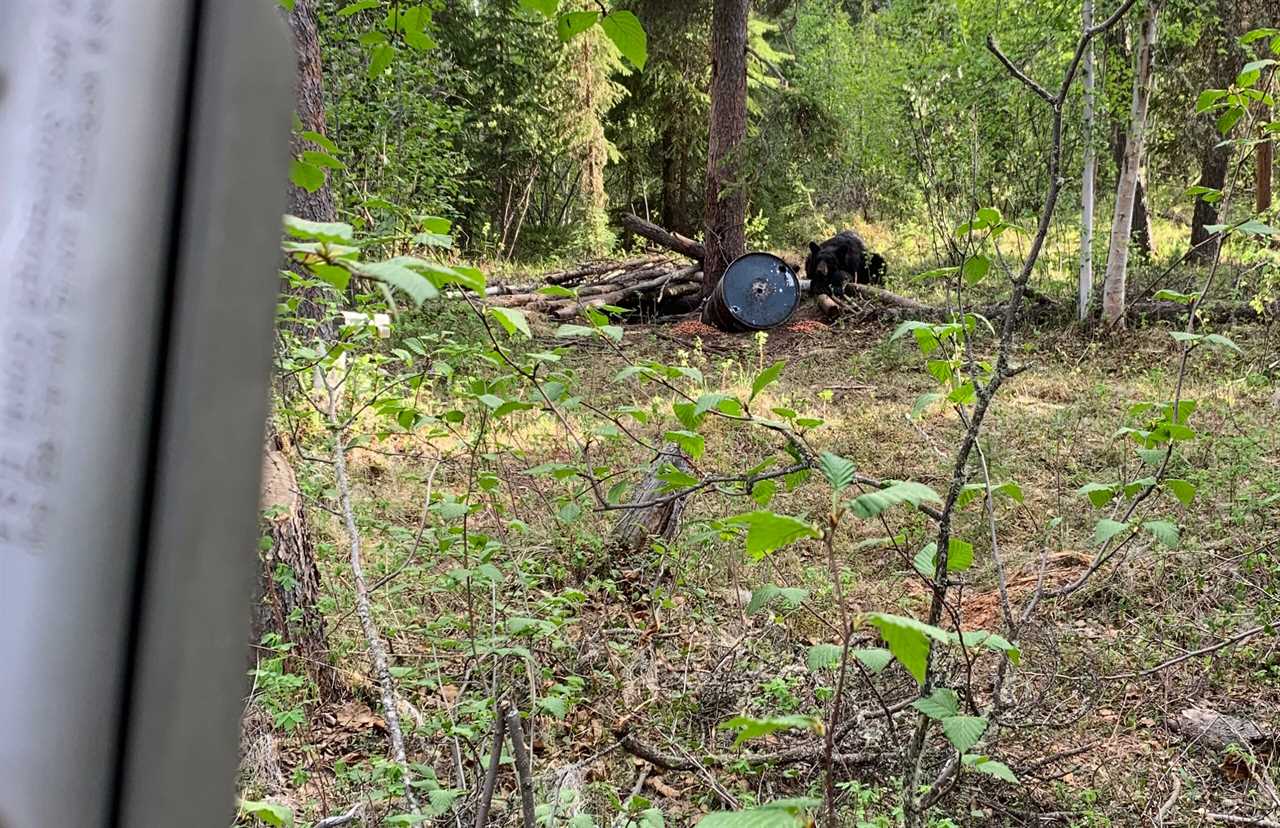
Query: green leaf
554, 706
624, 29
407, 819
1010, 490
567, 331
337, 276
1181, 489
752, 818
556, 290
823, 657
361, 5
750, 728
398, 275
923, 403
908, 640
1229, 119
307, 176
975, 269
511, 320
380, 59
874, 659
926, 560
838, 471
709, 401
1208, 98
692, 444
959, 555
675, 479
765, 378
1108, 529
334, 232
763, 491
1175, 296
429, 239
322, 159
768, 532
964, 731
268, 812
990, 767
941, 704
1164, 531
572, 24
320, 140
982, 638
546, 7
989, 216
1152, 457
792, 597
873, 503
1222, 342
1253, 227
1099, 494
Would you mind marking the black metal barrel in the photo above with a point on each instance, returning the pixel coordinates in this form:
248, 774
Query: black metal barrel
758, 291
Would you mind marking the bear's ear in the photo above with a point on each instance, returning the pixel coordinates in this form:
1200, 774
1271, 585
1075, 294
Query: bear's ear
813, 247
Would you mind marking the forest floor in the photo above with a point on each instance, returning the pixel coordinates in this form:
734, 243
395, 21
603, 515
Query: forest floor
663, 644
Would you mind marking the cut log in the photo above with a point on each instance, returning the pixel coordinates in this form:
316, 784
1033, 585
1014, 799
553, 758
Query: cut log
672, 241
639, 527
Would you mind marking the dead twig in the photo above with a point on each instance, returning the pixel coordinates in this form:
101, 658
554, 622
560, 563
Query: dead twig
524, 763
491, 774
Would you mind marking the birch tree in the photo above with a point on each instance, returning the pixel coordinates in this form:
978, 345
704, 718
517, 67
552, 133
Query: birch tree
1113, 292
1087, 178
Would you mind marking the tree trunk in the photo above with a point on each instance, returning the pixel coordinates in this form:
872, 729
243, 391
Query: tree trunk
1213, 173
309, 106
670, 212
1087, 181
726, 203
1140, 229
289, 579
1262, 180
308, 93
1113, 294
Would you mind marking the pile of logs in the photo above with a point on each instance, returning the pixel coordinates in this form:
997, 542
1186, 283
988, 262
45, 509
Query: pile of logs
659, 285
654, 284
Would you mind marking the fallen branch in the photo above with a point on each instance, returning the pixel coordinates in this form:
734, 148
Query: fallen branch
1213, 648
1232, 819
659, 235
342, 819
812, 753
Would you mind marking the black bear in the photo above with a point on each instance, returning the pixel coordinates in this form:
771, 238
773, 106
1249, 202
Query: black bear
841, 259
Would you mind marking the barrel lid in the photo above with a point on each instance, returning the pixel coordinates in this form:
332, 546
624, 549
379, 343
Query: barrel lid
760, 290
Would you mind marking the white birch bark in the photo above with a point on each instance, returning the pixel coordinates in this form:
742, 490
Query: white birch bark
1113, 292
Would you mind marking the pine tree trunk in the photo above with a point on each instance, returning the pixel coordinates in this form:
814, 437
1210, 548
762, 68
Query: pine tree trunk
308, 93
1113, 294
593, 147
670, 192
289, 579
726, 203
1213, 173
309, 106
1087, 181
